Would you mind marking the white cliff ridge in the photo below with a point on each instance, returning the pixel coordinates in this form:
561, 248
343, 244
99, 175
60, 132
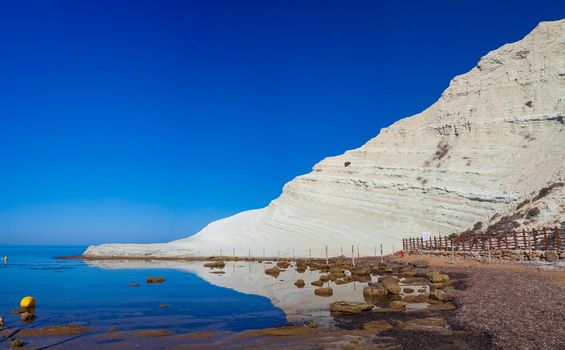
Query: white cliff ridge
493, 140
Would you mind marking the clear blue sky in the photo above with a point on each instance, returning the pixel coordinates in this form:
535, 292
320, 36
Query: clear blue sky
141, 121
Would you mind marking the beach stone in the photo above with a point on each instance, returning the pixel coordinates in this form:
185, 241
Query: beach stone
324, 278
300, 283
283, 264
273, 271
408, 274
340, 281
360, 271
377, 326
375, 291
421, 264
398, 304
436, 277
300, 269
347, 279
155, 280
324, 292
551, 256
346, 307
215, 265
218, 272
362, 278
16, 344
438, 295
408, 290
317, 283
27, 317
438, 285
391, 284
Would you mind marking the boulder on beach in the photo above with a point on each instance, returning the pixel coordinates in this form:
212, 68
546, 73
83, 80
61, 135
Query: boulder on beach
391, 284
300, 283
283, 264
436, 277
350, 307
375, 291
551, 256
27, 317
438, 295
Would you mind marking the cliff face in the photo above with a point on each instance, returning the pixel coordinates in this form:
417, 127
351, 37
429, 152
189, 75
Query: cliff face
494, 139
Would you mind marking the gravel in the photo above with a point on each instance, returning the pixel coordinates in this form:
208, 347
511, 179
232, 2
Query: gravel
520, 309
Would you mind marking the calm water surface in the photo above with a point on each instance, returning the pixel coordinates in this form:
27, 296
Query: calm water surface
73, 291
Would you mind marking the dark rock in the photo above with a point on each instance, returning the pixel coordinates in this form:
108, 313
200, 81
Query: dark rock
300, 283
16, 343
421, 264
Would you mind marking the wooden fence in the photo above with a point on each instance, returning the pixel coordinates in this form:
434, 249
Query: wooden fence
540, 239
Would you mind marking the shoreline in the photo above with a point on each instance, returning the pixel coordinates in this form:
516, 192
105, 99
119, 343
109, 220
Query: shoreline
489, 311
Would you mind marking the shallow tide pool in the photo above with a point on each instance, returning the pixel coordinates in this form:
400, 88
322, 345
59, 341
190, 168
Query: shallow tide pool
99, 296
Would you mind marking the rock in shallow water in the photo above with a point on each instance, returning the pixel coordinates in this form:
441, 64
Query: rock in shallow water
155, 280
324, 292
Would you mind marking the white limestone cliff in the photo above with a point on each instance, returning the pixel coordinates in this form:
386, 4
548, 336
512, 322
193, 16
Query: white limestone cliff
495, 138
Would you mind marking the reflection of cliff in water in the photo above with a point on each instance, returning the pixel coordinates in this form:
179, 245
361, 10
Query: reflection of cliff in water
250, 278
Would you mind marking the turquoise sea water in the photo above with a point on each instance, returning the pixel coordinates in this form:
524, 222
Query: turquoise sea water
72, 291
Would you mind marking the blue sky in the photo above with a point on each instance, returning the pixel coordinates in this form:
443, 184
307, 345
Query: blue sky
141, 121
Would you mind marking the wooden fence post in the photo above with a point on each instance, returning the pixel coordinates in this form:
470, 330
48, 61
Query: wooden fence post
506, 240
557, 238
515, 240
545, 242
534, 234
524, 237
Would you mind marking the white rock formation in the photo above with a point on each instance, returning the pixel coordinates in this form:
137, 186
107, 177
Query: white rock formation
496, 135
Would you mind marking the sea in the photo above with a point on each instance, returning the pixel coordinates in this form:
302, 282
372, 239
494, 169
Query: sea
76, 291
